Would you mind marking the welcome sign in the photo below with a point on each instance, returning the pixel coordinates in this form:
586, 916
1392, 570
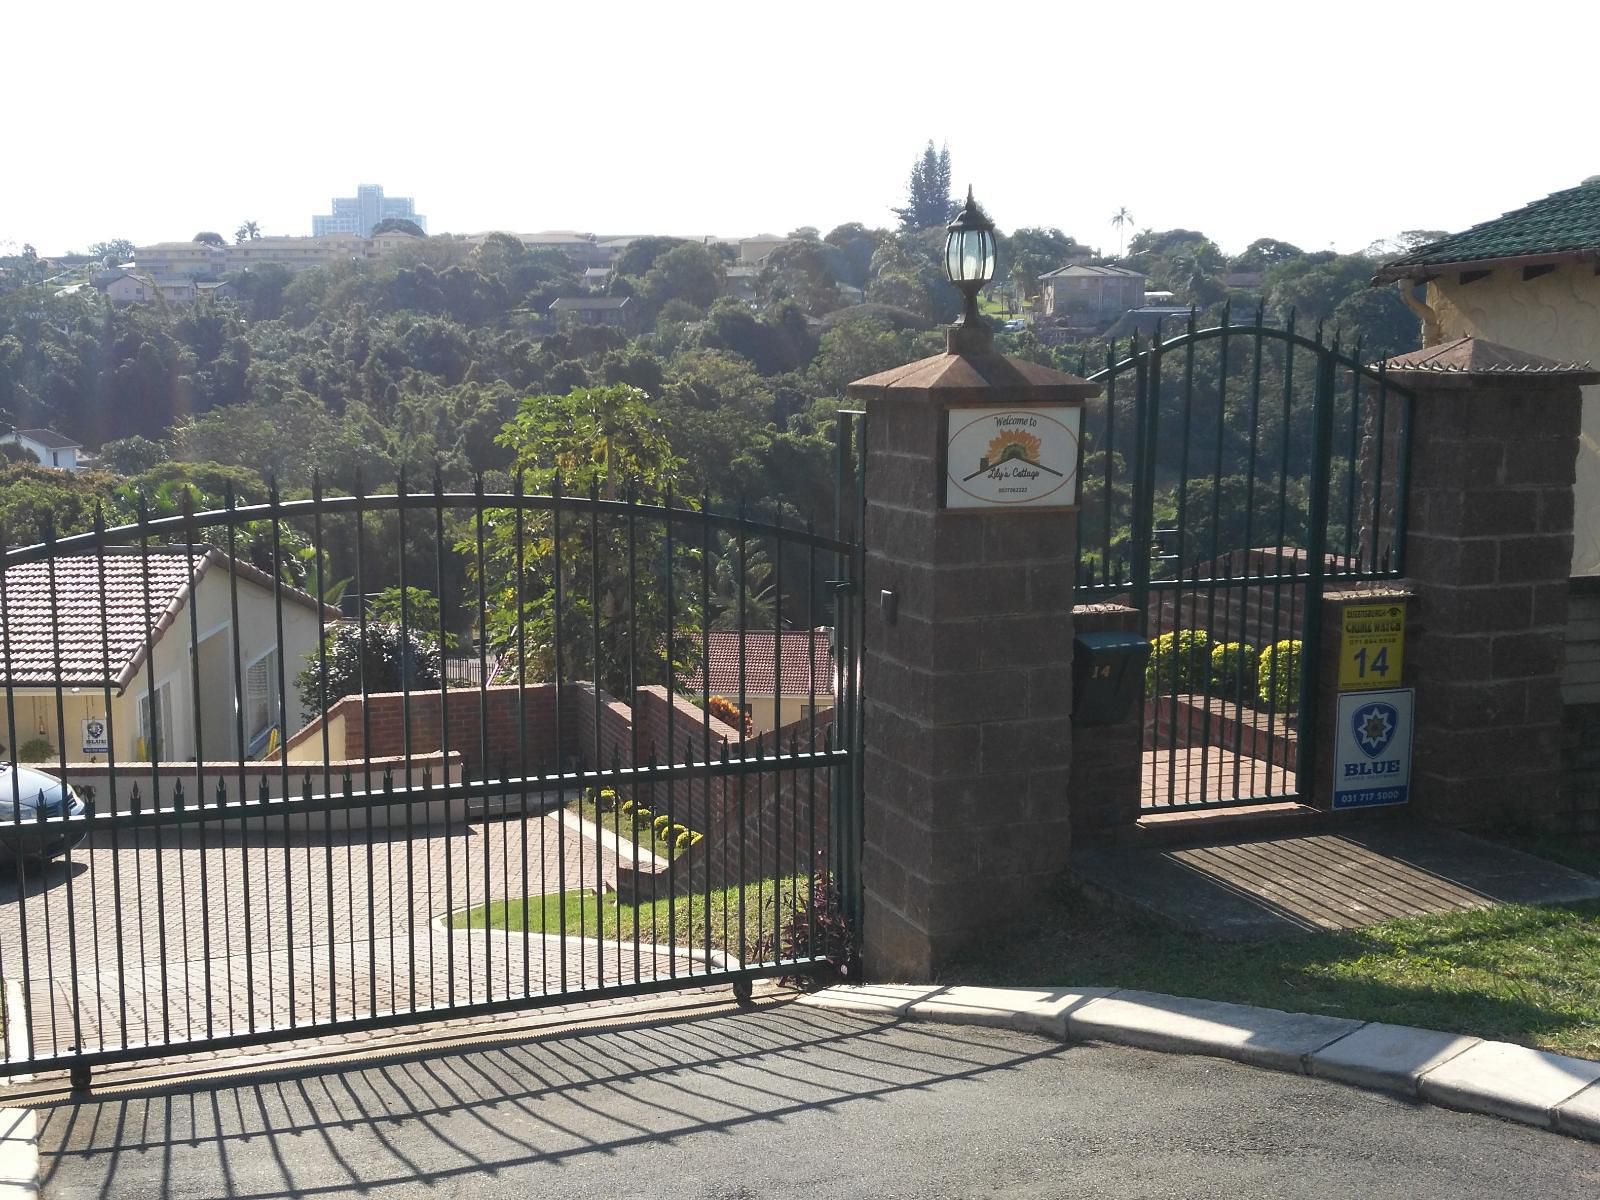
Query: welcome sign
1012, 457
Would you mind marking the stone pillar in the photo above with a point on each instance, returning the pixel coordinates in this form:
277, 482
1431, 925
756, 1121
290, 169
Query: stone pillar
967, 674
1494, 441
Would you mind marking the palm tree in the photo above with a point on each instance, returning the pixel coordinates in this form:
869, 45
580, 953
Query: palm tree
249, 231
1121, 219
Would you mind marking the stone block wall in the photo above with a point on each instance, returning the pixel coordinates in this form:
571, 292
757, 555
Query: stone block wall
1488, 550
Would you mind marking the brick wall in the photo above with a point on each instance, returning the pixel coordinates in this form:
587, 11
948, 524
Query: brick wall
775, 825
382, 733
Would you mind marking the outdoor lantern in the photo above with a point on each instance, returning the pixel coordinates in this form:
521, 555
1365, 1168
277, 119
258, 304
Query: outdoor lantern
969, 255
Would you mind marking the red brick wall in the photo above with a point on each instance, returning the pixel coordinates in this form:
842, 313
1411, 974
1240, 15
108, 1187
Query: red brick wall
382, 733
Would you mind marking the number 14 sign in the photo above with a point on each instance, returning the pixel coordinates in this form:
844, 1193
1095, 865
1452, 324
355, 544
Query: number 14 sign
1372, 646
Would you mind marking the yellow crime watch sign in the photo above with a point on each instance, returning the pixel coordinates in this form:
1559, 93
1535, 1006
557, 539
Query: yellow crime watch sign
1372, 646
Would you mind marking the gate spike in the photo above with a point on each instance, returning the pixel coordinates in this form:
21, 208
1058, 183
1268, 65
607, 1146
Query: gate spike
222, 792
305, 786
1227, 311
177, 794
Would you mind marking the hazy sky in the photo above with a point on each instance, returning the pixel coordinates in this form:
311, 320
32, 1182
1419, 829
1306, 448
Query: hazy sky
1322, 124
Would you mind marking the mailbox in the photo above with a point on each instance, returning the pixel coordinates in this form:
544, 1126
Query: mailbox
1107, 676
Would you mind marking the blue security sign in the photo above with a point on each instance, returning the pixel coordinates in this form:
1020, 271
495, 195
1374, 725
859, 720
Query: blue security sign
1372, 748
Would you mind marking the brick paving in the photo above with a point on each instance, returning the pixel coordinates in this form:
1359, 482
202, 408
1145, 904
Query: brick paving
1193, 774
211, 935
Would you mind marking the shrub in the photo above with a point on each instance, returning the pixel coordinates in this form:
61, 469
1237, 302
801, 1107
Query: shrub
682, 842
625, 807
36, 750
816, 924
1279, 675
1180, 661
1233, 668
661, 824
608, 799
728, 713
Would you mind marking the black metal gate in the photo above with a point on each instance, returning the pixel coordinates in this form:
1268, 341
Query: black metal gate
1229, 475
290, 815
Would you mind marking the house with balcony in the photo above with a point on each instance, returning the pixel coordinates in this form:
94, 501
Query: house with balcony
618, 311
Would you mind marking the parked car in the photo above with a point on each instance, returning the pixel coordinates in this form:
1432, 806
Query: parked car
1014, 325
24, 795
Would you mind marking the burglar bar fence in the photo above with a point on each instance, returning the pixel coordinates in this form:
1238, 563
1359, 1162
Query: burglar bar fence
574, 825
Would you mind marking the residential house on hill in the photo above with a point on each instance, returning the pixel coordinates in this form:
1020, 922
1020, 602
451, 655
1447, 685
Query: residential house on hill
595, 310
783, 675
1088, 295
48, 446
130, 635
1529, 279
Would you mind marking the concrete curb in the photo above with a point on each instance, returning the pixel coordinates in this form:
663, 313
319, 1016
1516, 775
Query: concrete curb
19, 1127
1533, 1087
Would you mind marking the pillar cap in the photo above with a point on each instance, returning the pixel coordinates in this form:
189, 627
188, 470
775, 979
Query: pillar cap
1468, 361
974, 378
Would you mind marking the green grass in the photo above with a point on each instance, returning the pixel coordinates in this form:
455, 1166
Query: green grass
660, 921
625, 826
1514, 973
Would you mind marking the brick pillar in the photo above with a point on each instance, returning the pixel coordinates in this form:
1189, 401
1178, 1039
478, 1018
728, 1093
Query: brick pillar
1494, 440
968, 690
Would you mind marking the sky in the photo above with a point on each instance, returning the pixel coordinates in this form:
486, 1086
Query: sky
1326, 125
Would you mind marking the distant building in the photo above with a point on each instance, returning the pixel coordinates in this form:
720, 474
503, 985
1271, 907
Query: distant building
595, 310
753, 252
196, 260
782, 677
360, 214
1148, 319
46, 445
142, 287
596, 278
1089, 295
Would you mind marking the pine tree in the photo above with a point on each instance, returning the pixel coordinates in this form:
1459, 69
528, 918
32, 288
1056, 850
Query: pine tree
928, 202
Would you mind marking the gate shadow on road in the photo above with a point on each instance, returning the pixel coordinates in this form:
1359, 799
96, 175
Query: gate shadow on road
433, 1118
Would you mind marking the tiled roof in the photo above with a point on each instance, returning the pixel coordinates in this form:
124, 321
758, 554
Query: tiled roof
1563, 224
590, 304
100, 643
1085, 271
48, 438
801, 649
1474, 356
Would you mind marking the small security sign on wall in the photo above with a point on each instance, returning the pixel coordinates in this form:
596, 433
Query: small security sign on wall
1372, 749
1372, 645
1012, 457
96, 737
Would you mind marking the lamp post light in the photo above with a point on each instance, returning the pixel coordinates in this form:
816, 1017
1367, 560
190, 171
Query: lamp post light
969, 264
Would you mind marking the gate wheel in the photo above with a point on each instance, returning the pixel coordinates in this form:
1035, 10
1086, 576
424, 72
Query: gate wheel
744, 990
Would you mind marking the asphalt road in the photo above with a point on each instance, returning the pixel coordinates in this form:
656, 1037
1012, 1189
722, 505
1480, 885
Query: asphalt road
791, 1101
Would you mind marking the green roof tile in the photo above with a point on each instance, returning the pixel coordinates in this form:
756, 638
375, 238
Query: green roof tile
1566, 222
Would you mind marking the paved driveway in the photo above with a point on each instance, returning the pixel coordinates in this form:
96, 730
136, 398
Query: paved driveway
212, 934
792, 1101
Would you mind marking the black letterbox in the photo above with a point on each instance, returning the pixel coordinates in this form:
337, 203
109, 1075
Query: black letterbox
1107, 675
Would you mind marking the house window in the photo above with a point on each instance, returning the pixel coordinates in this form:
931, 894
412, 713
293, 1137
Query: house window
260, 699
152, 740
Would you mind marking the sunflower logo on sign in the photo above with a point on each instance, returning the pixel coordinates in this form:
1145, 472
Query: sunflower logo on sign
1012, 446
1009, 447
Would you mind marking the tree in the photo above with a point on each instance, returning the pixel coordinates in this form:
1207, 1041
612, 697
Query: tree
249, 231
117, 250
928, 202
1031, 252
132, 455
387, 659
1120, 220
605, 441
1263, 253
688, 272
207, 238
398, 225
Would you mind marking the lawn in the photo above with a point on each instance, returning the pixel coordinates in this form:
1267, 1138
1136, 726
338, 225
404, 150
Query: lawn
659, 921
1514, 973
